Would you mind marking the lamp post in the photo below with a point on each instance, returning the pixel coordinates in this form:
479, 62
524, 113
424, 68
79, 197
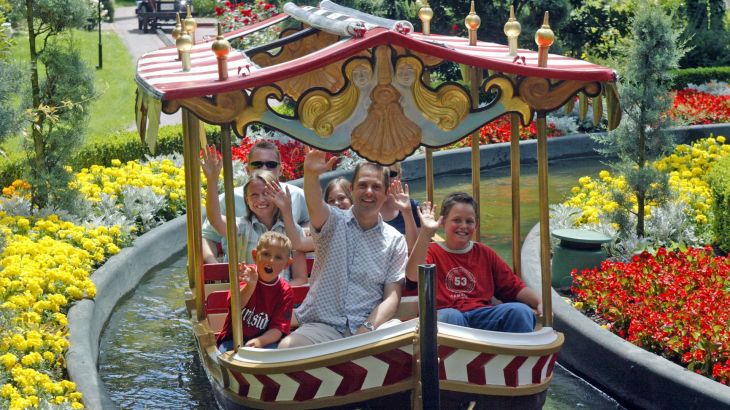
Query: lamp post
98, 20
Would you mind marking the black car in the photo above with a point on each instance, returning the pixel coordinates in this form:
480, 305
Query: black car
152, 14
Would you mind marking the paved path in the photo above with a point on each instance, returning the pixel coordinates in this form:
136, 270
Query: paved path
138, 43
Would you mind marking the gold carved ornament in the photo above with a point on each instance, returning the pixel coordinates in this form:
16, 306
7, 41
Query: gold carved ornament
542, 95
329, 76
446, 107
386, 135
507, 97
321, 111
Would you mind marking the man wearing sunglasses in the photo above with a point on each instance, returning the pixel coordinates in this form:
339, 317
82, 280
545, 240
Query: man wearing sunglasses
263, 155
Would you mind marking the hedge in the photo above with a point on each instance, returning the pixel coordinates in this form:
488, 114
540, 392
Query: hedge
720, 183
700, 75
122, 145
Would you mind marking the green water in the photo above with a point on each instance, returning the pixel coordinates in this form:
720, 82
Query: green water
496, 196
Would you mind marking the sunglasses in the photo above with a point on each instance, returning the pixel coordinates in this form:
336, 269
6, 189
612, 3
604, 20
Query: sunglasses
267, 164
393, 173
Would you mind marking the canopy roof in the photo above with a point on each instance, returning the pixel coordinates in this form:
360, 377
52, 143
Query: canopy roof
319, 63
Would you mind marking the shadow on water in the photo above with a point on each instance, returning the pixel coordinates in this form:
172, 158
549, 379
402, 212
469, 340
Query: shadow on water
148, 357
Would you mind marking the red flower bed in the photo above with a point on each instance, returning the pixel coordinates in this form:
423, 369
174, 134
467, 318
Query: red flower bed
697, 107
676, 304
499, 130
292, 156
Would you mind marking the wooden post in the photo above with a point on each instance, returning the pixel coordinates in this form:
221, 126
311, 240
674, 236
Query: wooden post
515, 173
191, 136
231, 235
542, 180
193, 129
189, 209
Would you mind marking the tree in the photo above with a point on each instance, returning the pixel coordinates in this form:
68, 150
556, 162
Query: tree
644, 85
58, 95
10, 75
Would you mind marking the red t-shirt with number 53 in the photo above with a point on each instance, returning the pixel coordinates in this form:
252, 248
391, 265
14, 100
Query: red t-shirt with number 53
467, 279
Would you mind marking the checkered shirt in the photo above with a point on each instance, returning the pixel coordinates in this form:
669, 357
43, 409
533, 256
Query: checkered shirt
350, 271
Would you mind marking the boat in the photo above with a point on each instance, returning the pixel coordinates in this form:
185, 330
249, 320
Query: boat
362, 82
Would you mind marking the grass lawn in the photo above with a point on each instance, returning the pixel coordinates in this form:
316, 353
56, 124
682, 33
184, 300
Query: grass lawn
113, 110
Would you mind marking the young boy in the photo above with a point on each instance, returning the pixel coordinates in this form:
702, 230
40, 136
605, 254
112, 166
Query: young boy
469, 273
265, 297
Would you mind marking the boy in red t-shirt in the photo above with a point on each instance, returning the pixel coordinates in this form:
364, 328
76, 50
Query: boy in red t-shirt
265, 297
469, 273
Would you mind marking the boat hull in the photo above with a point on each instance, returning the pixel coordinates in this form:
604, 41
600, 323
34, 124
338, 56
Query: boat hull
380, 370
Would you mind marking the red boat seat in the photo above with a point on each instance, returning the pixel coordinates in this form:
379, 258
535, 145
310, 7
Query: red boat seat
216, 308
215, 273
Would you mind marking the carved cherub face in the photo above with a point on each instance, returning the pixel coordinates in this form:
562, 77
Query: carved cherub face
361, 75
405, 74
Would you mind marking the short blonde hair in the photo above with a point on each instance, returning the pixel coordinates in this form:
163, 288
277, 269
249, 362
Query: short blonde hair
274, 239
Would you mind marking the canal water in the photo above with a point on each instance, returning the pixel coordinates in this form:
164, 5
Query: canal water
148, 359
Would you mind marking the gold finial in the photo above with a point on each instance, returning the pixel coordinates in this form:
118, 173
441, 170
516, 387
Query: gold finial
184, 43
512, 30
221, 47
425, 14
190, 25
177, 30
544, 37
472, 23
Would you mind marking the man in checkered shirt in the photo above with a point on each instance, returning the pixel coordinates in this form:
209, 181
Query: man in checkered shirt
359, 270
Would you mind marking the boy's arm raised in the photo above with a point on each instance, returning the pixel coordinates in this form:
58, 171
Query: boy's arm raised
429, 225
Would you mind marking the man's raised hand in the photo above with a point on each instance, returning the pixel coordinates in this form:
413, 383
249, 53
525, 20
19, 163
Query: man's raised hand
316, 163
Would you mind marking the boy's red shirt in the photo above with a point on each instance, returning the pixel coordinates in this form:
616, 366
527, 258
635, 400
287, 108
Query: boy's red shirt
468, 280
270, 307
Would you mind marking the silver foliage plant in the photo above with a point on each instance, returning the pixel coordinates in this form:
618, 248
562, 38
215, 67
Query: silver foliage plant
718, 88
670, 225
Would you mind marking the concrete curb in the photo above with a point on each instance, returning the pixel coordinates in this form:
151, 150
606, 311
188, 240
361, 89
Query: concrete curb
113, 280
627, 373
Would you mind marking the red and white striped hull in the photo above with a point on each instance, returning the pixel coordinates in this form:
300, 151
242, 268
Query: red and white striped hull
473, 364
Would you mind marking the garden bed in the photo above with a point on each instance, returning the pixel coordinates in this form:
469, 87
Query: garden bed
626, 372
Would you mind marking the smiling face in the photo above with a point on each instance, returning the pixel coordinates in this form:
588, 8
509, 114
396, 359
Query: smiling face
337, 196
271, 259
459, 225
369, 189
257, 202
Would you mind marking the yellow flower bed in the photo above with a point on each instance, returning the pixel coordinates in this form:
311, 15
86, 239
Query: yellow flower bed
163, 177
687, 167
46, 266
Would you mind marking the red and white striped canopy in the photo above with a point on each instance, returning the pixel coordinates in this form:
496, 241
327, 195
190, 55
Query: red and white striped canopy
160, 73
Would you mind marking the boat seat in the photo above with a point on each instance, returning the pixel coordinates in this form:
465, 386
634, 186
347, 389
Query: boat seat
215, 278
216, 309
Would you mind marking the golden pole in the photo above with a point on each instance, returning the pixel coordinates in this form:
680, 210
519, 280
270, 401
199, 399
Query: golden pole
188, 207
231, 235
191, 137
515, 171
472, 23
194, 127
542, 180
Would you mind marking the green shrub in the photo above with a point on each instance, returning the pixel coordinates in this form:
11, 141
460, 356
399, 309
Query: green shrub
720, 183
122, 145
700, 75
204, 8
